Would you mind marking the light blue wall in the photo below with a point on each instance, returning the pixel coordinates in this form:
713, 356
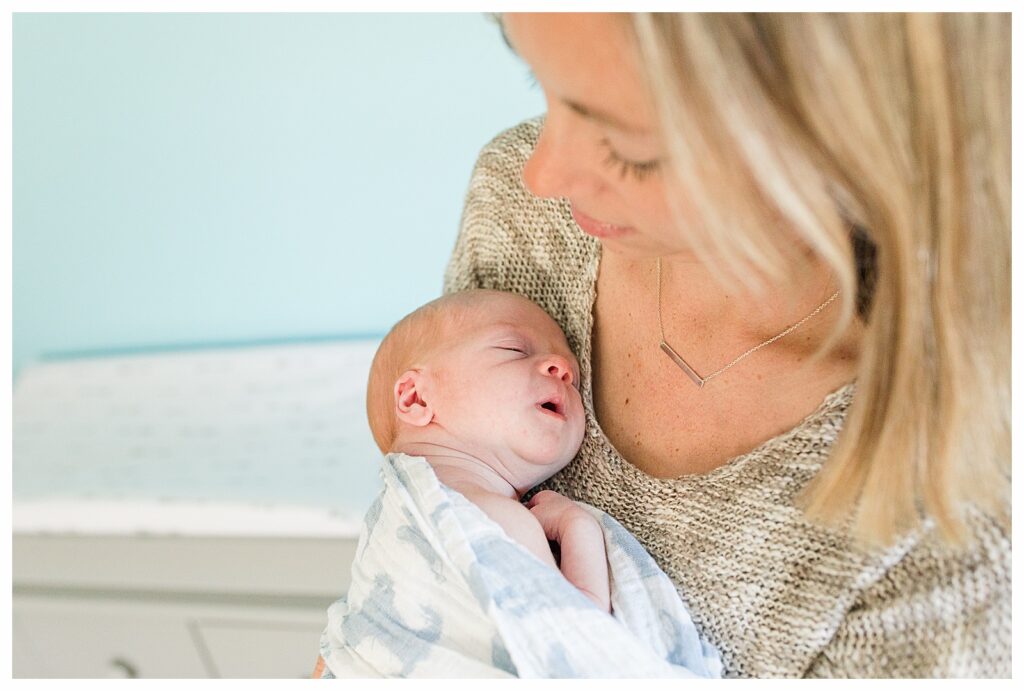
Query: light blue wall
195, 178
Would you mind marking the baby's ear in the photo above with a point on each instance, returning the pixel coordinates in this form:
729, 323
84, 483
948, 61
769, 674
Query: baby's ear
409, 404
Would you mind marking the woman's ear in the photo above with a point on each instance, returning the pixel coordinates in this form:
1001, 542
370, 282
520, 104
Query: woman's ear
410, 405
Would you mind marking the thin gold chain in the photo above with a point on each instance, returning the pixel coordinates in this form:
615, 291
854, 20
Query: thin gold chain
751, 351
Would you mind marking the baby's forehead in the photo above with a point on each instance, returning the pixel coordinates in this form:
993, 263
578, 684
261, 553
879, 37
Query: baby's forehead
522, 319
507, 312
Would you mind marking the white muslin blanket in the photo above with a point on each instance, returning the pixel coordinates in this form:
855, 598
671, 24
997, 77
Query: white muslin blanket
439, 590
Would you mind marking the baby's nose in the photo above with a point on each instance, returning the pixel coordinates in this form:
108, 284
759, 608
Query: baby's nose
559, 367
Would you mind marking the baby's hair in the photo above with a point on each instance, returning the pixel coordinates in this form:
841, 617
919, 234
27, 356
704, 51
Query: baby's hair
411, 343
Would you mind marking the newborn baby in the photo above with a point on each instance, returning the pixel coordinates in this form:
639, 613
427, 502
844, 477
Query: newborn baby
483, 385
473, 399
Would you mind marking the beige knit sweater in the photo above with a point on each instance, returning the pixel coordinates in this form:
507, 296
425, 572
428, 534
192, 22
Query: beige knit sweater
777, 595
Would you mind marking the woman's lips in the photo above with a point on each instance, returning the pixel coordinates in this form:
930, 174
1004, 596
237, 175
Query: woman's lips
591, 226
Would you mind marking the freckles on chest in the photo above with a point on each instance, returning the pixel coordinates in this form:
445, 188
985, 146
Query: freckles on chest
662, 423
648, 401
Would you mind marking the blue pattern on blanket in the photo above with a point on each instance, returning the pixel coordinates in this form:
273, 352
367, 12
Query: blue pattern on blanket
413, 535
686, 643
630, 546
370, 521
500, 564
377, 620
500, 657
558, 663
439, 590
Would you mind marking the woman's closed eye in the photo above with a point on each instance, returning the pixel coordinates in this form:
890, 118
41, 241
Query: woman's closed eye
640, 170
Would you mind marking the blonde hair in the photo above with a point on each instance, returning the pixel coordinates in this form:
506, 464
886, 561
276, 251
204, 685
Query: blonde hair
898, 126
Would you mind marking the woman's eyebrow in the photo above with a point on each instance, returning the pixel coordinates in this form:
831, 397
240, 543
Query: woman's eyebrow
594, 114
604, 118
504, 36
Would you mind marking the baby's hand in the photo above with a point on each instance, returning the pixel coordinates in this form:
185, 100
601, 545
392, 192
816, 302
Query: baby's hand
581, 541
556, 513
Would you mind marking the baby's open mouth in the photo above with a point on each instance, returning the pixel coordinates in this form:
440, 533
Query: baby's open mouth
553, 406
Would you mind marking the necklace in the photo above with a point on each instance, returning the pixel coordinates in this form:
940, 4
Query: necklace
691, 373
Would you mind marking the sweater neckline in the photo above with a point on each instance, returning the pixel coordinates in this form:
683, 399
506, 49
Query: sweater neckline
835, 402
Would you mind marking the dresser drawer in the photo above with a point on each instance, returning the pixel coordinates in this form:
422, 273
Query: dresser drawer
163, 635
64, 638
263, 649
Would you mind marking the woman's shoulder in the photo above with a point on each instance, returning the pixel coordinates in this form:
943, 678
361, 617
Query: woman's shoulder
507, 151
940, 610
496, 202
507, 227
510, 239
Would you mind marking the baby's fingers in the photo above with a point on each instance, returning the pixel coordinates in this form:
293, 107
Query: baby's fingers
545, 496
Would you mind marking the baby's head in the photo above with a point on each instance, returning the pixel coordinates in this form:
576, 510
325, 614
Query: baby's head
486, 372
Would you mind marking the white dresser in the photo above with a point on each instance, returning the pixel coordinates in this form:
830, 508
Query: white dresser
187, 514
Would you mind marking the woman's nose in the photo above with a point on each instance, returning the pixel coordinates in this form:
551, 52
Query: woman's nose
555, 168
557, 366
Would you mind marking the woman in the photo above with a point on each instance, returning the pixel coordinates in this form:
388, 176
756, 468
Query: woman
779, 246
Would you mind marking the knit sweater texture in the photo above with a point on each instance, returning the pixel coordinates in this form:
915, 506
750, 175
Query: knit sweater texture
778, 596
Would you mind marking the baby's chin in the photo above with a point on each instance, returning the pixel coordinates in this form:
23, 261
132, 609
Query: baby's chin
542, 459
540, 467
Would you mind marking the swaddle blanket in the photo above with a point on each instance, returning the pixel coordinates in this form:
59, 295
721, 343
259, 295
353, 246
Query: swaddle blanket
439, 590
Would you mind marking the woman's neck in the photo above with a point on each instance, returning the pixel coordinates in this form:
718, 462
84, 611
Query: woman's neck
695, 301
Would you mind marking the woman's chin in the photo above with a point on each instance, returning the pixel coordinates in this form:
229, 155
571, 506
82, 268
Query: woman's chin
637, 248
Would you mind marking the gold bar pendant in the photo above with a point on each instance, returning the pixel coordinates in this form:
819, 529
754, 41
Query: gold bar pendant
682, 365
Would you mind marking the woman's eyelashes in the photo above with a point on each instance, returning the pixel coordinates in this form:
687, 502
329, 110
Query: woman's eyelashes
531, 79
640, 170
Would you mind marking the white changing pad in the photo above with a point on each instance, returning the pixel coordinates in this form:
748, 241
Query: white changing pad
263, 440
